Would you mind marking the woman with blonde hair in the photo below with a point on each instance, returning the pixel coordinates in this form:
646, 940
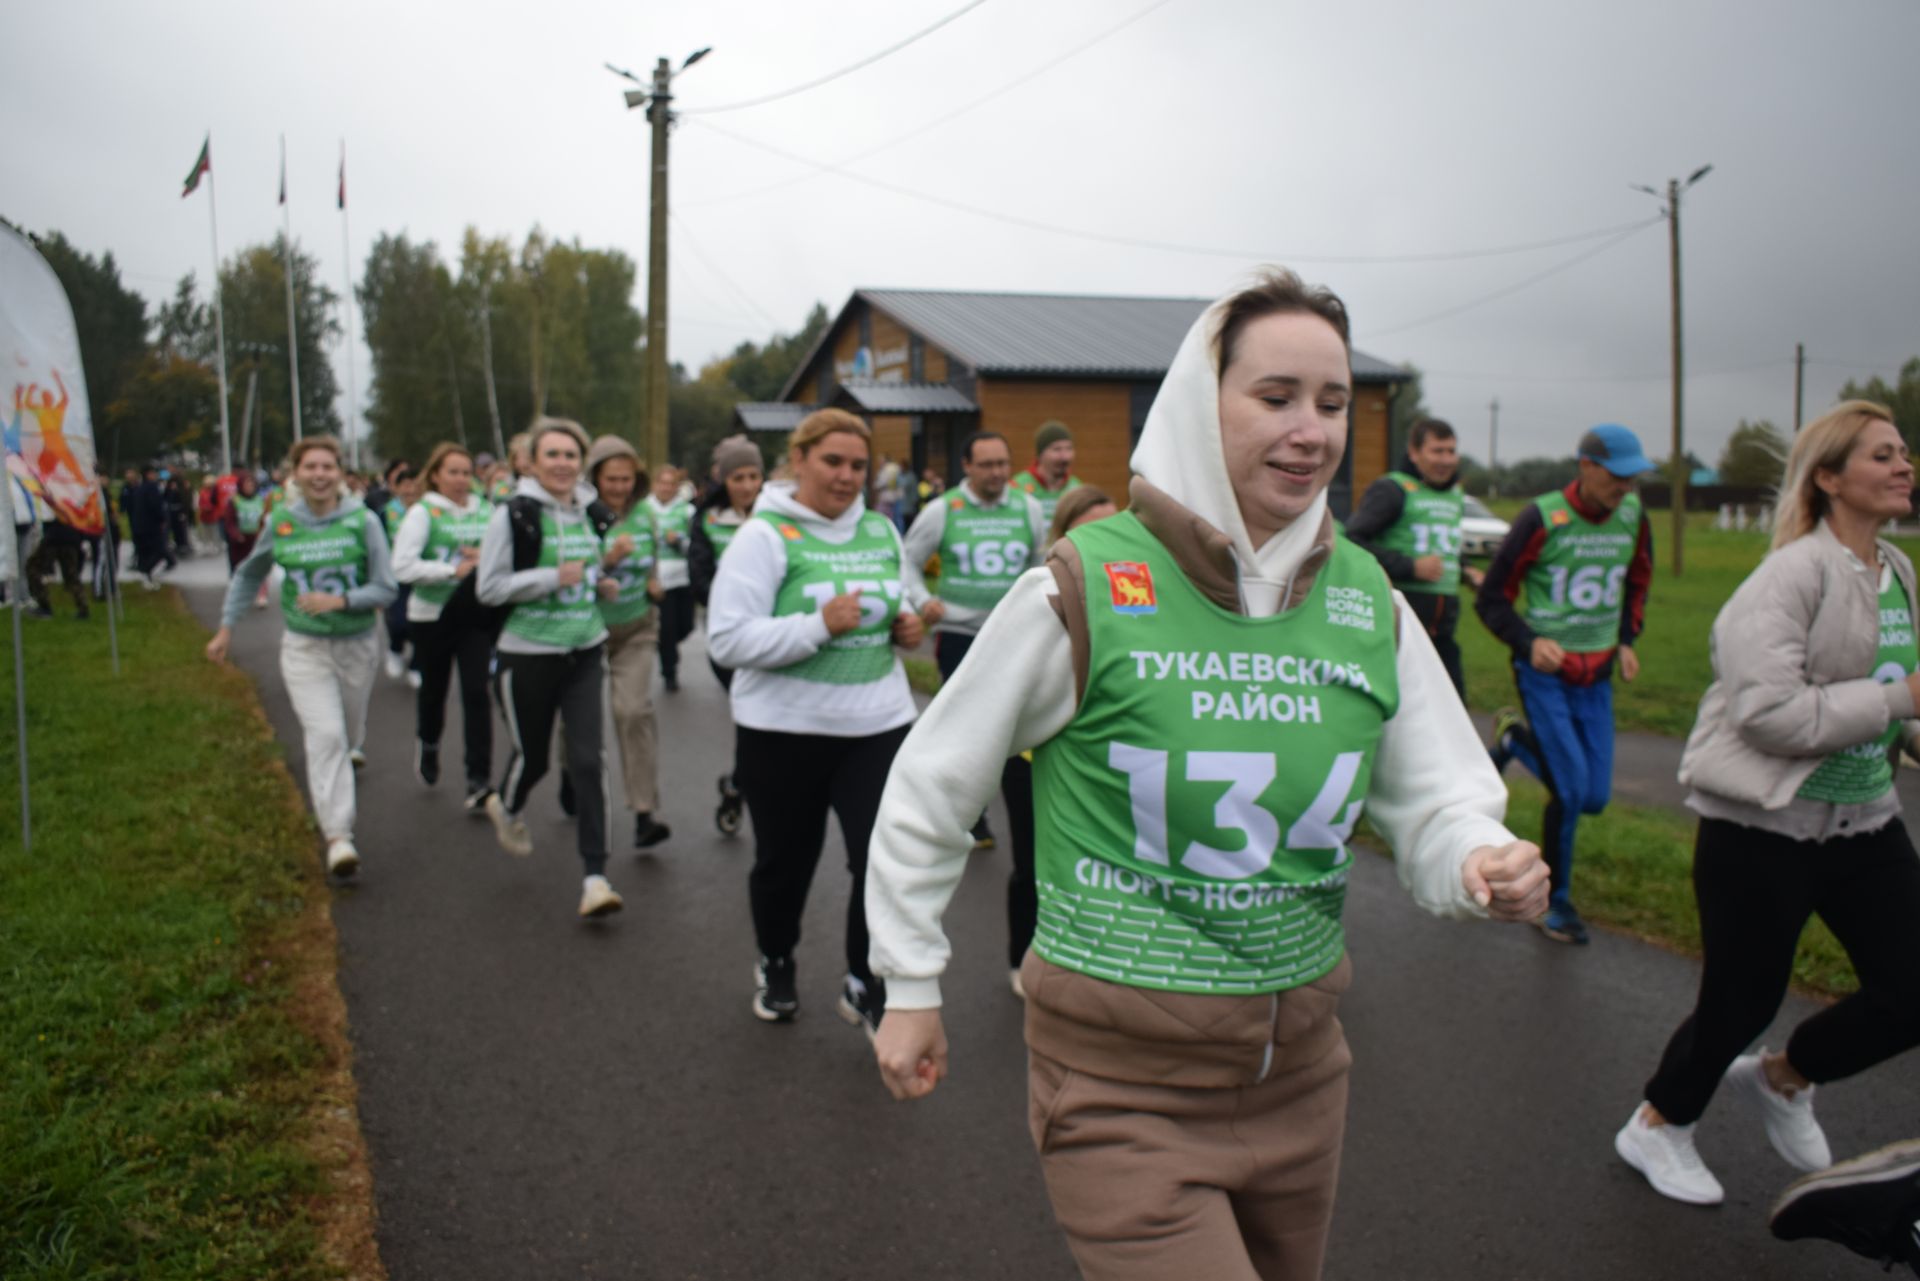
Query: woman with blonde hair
1791, 769
336, 580
807, 605
540, 559
436, 549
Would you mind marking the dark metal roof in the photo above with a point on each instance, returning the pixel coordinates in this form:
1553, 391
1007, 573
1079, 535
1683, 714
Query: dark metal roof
1058, 335
907, 398
760, 415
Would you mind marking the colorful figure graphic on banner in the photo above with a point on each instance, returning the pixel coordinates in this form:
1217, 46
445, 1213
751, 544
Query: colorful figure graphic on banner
29, 495
48, 453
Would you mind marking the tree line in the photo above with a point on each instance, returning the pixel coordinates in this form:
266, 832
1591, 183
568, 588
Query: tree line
470, 351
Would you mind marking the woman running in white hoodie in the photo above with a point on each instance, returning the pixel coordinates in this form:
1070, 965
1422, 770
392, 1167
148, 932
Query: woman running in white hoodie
1213, 684
806, 607
437, 549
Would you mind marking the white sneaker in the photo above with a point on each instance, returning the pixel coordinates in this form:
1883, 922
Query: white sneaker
599, 898
413, 679
1795, 1135
1013, 981
396, 667
342, 858
1666, 1155
512, 833
356, 758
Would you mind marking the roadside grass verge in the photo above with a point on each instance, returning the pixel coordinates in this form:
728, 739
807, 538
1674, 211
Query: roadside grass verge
1633, 872
174, 1096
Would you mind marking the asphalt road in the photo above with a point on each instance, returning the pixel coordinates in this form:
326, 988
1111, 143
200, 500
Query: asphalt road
545, 1098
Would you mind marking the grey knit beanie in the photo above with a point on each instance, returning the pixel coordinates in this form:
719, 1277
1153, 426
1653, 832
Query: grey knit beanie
733, 453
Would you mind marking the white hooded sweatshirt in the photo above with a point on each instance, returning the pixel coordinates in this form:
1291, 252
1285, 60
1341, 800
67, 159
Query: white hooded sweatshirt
744, 633
1435, 795
410, 562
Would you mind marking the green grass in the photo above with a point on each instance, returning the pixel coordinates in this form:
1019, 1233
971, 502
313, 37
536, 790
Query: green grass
160, 1068
1675, 667
1633, 871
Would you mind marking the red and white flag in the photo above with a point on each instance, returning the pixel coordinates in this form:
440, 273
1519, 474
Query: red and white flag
204, 165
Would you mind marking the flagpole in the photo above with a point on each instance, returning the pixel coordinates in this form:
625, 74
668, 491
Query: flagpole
293, 334
14, 605
219, 327
106, 545
346, 267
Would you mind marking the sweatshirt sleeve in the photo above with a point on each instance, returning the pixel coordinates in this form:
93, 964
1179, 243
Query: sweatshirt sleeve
1380, 507
1014, 691
1501, 587
496, 582
247, 578
922, 541
379, 591
742, 629
700, 559
1435, 796
409, 565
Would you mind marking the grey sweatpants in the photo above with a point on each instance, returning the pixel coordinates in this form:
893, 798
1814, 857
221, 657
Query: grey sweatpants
533, 689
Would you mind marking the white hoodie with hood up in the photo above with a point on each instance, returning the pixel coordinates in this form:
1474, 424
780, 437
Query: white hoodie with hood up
1434, 796
744, 633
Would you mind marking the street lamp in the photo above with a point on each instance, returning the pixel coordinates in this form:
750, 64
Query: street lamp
1678, 488
655, 97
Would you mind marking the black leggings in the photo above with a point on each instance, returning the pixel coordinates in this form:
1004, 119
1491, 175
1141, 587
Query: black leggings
456, 638
534, 688
790, 781
676, 624
1756, 891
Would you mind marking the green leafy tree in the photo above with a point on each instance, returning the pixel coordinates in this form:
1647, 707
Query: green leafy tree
112, 324
417, 332
253, 289
170, 404
1903, 398
1408, 406
1756, 454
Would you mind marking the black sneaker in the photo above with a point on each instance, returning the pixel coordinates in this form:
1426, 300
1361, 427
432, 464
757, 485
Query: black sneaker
477, 793
37, 610
426, 761
1564, 927
774, 998
862, 1006
982, 834
1870, 1204
568, 805
648, 833
673, 684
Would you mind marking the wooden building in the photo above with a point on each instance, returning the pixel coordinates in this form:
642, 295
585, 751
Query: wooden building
927, 367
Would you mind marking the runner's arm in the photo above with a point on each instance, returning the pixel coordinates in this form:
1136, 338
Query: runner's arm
700, 559
1434, 793
1633, 616
495, 581
247, 578
1501, 586
1380, 506
922, 541
379, 591
742, 630
1018, 695
409, 566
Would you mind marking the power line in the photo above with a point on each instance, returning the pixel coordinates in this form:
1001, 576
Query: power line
848, 70
937, 121
1133, 242
1662, 376
1633, 229
724, 278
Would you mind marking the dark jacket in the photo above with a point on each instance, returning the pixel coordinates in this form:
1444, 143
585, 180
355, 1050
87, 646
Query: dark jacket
1379, 510
146, 508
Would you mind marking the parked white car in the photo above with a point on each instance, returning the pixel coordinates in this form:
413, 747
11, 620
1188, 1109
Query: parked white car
1481, 532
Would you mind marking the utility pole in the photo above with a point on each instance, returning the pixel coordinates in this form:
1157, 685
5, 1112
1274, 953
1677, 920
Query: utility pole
657, 98
660, 118
1799, 381
1493, 449
1678, 487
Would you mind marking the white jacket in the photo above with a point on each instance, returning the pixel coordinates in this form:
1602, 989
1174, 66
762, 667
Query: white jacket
410, 541
1435, 796
744, 633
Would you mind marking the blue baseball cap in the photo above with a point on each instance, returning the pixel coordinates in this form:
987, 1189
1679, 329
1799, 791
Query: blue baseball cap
1616, 449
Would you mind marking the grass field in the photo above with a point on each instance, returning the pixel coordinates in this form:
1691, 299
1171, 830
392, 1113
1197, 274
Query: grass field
1675, 667
174, 1096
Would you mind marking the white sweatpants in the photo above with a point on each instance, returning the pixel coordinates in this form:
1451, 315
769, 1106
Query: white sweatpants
329, 680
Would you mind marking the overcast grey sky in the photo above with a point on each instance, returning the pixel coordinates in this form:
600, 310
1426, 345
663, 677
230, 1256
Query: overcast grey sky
1291, 130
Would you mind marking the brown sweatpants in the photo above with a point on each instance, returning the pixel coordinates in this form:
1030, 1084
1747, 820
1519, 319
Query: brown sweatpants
1151, 1181
630, 649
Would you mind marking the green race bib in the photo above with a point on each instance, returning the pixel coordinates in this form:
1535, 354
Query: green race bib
632, 573
1577, 587
1864, 772
818, 571
331, 559
983, 550
1429, 525
448, 533
567, 618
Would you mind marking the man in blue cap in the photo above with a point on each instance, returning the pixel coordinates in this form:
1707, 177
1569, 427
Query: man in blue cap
1584, 558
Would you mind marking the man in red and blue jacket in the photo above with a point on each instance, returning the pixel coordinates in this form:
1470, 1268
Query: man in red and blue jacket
1567, 593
